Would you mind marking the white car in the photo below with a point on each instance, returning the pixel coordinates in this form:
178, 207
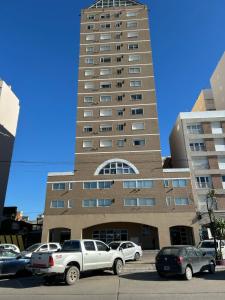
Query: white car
207, 246
130, 250
41, 247
10, 247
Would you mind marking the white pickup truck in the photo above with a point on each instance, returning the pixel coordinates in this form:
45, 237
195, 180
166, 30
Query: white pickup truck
77, 256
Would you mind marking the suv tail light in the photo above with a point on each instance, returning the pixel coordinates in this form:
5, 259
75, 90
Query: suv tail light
51, 261
180, 259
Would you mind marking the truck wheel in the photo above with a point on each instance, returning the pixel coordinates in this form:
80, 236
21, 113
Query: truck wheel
188, 273
72, 275
117, 267
137, 256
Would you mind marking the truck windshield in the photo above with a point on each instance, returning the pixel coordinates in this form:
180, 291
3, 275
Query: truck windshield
71, 246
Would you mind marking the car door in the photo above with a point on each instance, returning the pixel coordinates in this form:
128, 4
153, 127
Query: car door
192, 259
10, 264
104, 256
125, 250
90, 256
202, 259
130, 250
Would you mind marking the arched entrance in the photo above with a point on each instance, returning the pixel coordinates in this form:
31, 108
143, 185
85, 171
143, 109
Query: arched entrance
146, 236
59, 235
181, 235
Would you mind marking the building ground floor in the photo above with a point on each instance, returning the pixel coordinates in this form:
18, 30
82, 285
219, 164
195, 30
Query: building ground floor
150, 230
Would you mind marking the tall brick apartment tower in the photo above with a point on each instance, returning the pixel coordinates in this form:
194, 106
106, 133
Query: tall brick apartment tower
118, 191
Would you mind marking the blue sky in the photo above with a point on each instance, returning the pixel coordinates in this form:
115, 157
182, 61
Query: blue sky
39, 51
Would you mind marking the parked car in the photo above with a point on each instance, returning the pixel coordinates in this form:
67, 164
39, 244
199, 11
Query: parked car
12, 263
10, 247
41, 247
130, 250
77, 256
183, 260
207, 246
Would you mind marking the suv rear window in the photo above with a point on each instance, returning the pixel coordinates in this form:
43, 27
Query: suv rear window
71, 246
208, 245
170, 251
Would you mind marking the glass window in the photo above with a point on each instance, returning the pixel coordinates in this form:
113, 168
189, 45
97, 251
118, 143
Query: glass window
105, 59
135, 83
120, 112
139, 142
203, 182
105, 143
130, 202
87, 144
169, 201
105, 16
132, 13
105, 26
134, 57
195, 129
197, 146
105, 98
90, 17
137, 111
105, 184
89, 203
70, 186
58, 186
140, 184
179, 183
120, 127
87, 129
88, 72
105, 71
57, 204
70, 204
120, 143
181, 201
138, 126
101, 246
89, 49
105, 48
89, 60
132, 24
90, 185
90, 37
105, 112
105, 36
105, 85
134, 70
133, 46
132, 34
116, 168
89, 246
166, 183
104, 202
216, 128
88, 99
105, 127
136, 97
90, 26
89, 85
88, 113
146, 202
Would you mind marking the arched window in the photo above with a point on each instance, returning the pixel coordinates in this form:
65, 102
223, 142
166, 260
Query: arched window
116, 166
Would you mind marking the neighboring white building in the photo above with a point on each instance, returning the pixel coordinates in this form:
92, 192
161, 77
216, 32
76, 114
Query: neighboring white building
9, 112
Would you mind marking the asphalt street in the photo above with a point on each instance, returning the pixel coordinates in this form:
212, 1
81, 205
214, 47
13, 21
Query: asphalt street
138, 281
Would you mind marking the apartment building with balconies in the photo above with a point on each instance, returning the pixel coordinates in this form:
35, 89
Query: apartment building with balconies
118, 191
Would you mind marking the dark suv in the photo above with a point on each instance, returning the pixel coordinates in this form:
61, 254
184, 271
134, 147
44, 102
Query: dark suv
183, 260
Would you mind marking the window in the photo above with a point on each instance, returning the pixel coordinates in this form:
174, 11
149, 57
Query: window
110, 235
119, 71
88, 113
132, 24
195, 129
90, 17
89, 203
132, 13
132, 34
136, 97
181, 201
203, 182
118, 47
179, 183
101, 246
118, 35
119, 98
138, 184
105, 48
89, 60
105, 127
118, 24
105, 16
98, 185
70, 186
133, 46
90, 185
221, 162
134, 57
89, 85
59, 186
120, 127
105, 98
104, 202
216, 128
134, 70
138, 126
105, 143
120, 112
57, 204
166, 183
137, 111
70, 204
119, 84
105, 36
53, 247
105, 85
105, 26
219, 144
89, 49
139, 142
105, 184
87, 129
200, 163
119, 59
105, 59
116, 168
89, 246
88, 72
169, 201
135, 83
105, 112
97, 203
120, 143
90, 26
139, 202
105, 72
90, 37
197, 146
87, 144
88, 99
223, 182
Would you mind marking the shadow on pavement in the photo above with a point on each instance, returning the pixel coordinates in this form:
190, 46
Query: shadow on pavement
149, 276
20, 283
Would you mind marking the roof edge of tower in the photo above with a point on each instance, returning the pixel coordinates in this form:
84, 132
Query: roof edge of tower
114, 3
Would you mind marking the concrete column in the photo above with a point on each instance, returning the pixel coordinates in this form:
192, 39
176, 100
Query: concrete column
164, 236
76, 232
45, 234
